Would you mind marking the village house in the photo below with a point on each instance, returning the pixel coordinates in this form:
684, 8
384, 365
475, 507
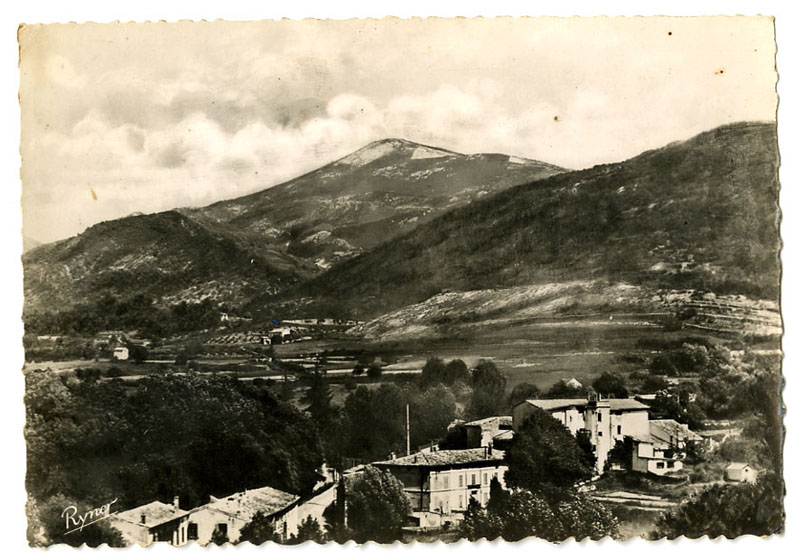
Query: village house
121, 353
740, 472
439, 484
149, 523
605, 421
158, 522
280, 335
229, 515
663, 449
649, 456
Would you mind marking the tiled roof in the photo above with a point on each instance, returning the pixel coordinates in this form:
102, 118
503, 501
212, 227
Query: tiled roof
674, 428
154, 513
626, 404
556, 404
490, 420
247, 503
446, 457
617, 405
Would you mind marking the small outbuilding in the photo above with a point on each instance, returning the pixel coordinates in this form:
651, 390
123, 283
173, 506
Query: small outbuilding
740, 472
121, 353
573, 383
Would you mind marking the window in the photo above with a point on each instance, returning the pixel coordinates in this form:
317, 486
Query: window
600, 434
445, 481
659, 464
223, 529
192, 532
460, 501
183, 534
486, 479
474, 478
599, 417
670, 464
460, 480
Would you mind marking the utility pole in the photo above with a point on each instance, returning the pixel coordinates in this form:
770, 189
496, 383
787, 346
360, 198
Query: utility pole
407, 429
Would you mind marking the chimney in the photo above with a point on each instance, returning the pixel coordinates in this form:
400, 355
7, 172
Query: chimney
176, 502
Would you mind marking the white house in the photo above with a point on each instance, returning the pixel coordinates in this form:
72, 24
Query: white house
648, 456
440, 483
573, 383
663, 450
121, 353
604, 420
740, 472
230, 514
148, 523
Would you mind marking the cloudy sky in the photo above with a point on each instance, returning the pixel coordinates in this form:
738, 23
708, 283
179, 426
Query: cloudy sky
130, 118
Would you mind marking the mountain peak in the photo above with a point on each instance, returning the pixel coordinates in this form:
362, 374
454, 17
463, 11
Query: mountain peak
387, 146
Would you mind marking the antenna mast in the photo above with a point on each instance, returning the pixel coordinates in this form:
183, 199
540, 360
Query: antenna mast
407, 429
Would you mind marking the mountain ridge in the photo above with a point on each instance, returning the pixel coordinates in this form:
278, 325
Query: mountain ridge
262, 242
699, 213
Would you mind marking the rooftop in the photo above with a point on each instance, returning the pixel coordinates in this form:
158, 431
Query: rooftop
152, 514
445, 458
673, 428
505, 435
247, 503
618, 405
491, 419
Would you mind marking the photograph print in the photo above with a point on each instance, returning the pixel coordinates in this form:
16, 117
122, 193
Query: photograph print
401, 280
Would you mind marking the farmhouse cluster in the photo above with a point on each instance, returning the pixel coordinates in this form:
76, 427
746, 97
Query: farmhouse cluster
438, 482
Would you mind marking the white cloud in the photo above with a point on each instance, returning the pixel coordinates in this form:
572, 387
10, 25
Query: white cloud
186, 114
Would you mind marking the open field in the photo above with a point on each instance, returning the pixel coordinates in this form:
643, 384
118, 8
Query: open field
535, 352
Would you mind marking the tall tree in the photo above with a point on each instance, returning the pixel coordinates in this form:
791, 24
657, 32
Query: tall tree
456, 371
545, 454
488, 390
611, 385
375, 422
432, 410
318, 396
522, 392
377, 506
432, 372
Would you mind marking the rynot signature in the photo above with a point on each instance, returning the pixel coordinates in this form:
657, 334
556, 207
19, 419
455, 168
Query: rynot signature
76, 521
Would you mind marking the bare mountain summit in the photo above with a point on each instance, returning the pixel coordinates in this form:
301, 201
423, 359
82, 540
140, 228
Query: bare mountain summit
382, 190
